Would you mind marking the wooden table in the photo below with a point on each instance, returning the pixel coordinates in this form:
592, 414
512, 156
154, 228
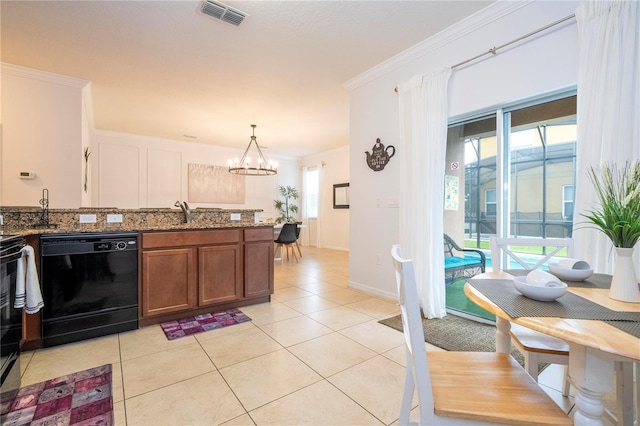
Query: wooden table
595, 346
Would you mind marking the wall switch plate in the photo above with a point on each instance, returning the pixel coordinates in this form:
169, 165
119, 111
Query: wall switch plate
87, 218
114, 218
235, 216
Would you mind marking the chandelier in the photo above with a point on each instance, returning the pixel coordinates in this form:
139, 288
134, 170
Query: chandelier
245, 166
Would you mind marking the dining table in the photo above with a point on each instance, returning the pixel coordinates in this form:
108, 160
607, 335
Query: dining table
602, 333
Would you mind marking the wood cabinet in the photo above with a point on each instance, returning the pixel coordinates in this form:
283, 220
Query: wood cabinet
258, 262
219, 274
168, 280
198, 271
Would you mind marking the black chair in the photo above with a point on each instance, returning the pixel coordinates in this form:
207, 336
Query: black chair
288, 236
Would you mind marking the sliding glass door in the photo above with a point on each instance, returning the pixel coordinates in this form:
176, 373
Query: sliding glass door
541, 142
519, 171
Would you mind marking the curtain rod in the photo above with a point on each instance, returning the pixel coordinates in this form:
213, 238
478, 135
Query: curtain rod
493, 50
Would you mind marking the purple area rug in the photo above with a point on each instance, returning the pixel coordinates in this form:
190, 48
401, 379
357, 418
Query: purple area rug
200, 323
82, 398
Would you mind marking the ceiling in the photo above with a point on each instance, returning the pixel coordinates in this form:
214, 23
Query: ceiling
163, 69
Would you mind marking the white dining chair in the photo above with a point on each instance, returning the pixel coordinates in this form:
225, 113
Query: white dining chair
537, 348
474, 388
501, 249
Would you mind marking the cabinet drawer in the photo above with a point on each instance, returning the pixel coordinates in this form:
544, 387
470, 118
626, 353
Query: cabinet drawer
189, 238
259, 234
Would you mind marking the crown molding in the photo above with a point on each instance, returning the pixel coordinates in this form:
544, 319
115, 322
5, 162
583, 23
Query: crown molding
483, 17
49, 77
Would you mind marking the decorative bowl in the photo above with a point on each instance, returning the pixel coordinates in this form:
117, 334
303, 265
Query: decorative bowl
543, 293
571, 270
540, 278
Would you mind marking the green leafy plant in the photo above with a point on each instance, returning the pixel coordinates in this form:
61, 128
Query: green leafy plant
285, 207
618, 191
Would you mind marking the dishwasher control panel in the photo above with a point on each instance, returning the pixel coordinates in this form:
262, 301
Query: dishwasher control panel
57, 244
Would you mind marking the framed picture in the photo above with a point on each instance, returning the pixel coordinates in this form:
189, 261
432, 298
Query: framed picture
214, 184
341, 196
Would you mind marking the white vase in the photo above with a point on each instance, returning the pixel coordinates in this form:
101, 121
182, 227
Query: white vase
624, 284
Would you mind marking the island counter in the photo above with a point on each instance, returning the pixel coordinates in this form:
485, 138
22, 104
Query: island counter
210, 264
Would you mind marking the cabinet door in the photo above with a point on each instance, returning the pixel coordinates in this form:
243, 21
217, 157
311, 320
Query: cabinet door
258, 269
168, 281
220, 274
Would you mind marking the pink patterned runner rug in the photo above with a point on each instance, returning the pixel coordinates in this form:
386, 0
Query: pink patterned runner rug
82, 398
198, 324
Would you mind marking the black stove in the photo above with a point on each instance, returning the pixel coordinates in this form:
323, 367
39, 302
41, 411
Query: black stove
10, 317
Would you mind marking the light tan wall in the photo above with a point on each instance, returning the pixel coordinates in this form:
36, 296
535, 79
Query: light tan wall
42, 133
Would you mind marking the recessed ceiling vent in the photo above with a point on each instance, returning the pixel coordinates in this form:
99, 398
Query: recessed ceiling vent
222, 12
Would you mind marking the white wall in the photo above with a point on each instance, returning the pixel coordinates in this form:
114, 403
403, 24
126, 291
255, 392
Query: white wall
42, 132
133, 171
543, 63
47, 122
334, 223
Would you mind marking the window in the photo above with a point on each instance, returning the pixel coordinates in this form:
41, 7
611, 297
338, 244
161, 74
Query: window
541, 141
490, 202
567, 202
311, 190
527, 151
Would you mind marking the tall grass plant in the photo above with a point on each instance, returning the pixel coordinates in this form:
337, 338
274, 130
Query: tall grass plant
618, 191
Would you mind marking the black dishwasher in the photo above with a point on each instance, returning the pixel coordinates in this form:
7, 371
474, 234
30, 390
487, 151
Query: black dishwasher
89, 285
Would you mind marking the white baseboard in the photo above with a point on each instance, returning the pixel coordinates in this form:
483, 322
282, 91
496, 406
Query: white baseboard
393, 297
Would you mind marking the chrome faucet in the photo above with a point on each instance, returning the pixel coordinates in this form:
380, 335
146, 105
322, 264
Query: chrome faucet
185, 209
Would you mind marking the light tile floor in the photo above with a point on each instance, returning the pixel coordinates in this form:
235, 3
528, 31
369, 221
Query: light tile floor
314, 355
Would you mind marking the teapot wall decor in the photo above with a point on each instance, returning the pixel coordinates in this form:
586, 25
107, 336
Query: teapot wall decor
379, 156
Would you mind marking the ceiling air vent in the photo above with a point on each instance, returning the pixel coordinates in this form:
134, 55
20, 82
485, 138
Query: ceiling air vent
222, 12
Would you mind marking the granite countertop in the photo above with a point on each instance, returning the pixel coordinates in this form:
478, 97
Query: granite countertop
115, 228
23, 220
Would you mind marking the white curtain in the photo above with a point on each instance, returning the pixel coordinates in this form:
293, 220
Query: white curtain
321, 192
310, 234
608, 110
304, 214
423, 142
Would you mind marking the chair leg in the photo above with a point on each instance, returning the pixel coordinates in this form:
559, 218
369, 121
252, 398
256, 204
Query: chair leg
407, 396
531, 364
298, 246
293, 250
275, 252
566, 384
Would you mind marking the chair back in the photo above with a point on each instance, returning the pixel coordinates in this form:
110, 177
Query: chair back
287, 234
417, 373
449, 245
500, 246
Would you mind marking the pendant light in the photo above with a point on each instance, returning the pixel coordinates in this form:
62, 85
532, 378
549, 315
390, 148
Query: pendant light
246, 166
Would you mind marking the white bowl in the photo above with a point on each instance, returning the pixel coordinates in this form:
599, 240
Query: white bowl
571, 271
543, 293
541, 278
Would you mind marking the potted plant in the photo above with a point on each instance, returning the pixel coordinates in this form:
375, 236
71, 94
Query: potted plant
286, 208
618, 192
